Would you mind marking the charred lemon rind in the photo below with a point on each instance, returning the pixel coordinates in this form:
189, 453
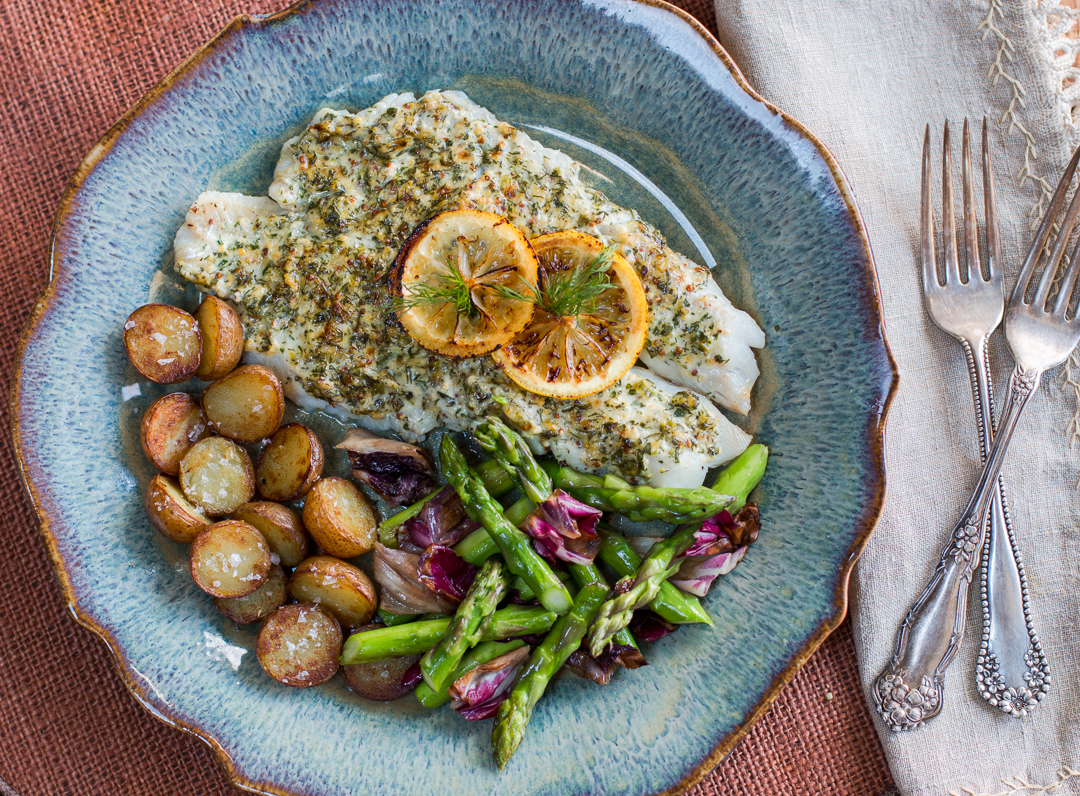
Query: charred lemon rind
472, 256
604, 342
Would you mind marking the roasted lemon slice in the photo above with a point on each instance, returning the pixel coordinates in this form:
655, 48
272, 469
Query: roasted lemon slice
462, 281
589, 324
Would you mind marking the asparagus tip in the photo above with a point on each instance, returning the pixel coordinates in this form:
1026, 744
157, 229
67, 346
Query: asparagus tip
508, 731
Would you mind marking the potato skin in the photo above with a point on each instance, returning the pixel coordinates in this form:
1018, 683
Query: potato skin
170, 426
340, 588
290, 464
172, 513
299, 645
379, 680
339, 518
259, 604
245, 405
212, 465
222, 339
281, 528
163, 343
229, 559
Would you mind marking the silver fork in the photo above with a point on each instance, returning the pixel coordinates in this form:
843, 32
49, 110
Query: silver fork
1011, 671
910, 689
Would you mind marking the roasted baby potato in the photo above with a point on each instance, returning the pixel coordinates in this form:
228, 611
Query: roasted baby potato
379, 680
171, 425
290, 464
280, 527
217, 476
299, 645
229, 559
339, 518
222, 338
163, 343
340, 588
259, 604
171, 512
246, 405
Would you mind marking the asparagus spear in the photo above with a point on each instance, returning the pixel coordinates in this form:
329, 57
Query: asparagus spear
638, 503
518, 620
466, 627
478, 655
495, 478
390, 620
546, 659
515, 456
588, 575
515, 546
512, 453
418, 637
740, 476
607, 493
526, 594
674, 605
478, 546
670, 603
615, 614
510, 450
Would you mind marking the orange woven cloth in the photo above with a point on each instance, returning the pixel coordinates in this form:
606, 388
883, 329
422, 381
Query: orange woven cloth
68, 727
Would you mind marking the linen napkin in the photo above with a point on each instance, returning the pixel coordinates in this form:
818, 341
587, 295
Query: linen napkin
866, 78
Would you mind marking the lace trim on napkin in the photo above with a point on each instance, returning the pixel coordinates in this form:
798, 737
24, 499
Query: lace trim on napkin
1059, 24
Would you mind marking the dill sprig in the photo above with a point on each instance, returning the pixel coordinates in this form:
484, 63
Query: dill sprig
572, 292
450, 289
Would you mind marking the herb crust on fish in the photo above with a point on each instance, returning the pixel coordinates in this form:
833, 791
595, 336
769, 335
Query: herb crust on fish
308, 266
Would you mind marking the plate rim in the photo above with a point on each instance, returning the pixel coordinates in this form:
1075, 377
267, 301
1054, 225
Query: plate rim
875, 430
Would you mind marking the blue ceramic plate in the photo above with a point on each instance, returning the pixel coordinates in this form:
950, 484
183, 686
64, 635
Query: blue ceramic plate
643, 95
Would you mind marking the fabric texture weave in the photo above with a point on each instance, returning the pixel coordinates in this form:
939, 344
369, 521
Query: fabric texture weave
68, 725
867, 78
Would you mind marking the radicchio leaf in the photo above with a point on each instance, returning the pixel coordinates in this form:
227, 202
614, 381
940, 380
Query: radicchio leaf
649, 627
719, 544
723, 533
412, 677
599, 670
441, 521
446, 573
401, 473
477, 694
564, 528
398, 574
696, 573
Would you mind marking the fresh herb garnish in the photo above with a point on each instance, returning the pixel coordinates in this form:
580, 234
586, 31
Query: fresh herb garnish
572, 292
452, 288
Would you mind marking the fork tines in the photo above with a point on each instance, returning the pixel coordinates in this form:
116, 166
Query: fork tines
952, 270
1051, 278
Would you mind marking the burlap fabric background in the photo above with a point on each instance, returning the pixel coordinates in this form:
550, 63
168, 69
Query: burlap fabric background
67, 724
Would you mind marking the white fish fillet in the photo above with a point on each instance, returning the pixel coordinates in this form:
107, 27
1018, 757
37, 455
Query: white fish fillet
697, 338
307, 267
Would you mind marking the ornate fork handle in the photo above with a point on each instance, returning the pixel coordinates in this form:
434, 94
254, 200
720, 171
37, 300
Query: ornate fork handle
911, 688
1011, 671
